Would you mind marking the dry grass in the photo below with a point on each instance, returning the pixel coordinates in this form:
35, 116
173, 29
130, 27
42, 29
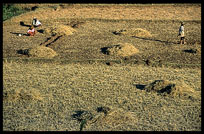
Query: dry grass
115, 11
22, 94
71, 87
122, 49
59, 30
41, 52
114, 119
197, 47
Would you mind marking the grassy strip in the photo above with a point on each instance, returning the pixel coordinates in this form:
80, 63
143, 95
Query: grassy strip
10, 10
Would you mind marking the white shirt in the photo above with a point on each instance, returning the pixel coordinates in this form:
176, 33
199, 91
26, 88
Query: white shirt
36, 23
181, 31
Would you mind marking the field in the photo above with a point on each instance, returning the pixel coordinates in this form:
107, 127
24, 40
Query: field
70, 91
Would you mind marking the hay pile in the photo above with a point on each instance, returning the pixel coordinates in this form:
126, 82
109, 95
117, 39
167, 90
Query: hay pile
59, 30
104, 118
137, 32
41, 52
165, 87
112, 119
122, 49
22, 95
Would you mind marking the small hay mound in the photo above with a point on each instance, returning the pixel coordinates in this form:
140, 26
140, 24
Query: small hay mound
41, 52
165, 87
22, 94
138, 32
59, 30
123, 50
113, 118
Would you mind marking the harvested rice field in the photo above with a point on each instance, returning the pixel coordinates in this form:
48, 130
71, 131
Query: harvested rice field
103, 67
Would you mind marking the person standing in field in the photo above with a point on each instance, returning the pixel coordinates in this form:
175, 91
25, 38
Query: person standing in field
36, 22
181, 34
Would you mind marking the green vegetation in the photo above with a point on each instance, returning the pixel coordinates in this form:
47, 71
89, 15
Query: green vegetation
10, 10
82, 125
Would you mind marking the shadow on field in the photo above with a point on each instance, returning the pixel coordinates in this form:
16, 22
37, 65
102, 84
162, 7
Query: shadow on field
23, 24
40, 31
82, 115
51, 40
104, 50
34, 8
166, 42
140, 86
23, 34
190, 51
24, 52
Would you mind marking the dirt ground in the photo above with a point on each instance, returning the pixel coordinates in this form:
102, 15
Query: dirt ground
80, 70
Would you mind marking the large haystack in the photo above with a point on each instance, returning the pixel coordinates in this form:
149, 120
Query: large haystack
137, 32
41, 52
165, 87
121, 49
22, 95
59, 30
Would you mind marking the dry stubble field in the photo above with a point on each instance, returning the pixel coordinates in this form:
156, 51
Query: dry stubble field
55, 94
